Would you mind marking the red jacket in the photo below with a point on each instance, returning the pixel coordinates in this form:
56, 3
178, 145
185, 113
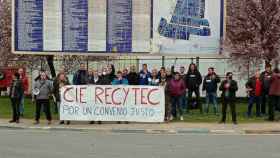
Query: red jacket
176, 87
275, 85
25, 83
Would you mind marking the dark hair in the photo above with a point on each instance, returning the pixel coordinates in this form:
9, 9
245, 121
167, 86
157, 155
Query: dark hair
119, 72
211, 68
267, 65
144, 65
176, 73
229, 73
195, 68
16, 74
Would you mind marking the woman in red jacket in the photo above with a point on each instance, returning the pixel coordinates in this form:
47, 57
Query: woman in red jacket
274, 93
176, 89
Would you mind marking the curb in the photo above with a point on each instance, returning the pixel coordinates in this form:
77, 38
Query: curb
144, 131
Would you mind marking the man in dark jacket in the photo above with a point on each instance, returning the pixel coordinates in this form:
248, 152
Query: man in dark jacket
265, 77
274, 93
193, 80
210, 84
132, 76
81, 76
16, 92
254, 89
228, 88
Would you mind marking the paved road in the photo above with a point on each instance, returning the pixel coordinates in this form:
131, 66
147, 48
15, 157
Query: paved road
74, 144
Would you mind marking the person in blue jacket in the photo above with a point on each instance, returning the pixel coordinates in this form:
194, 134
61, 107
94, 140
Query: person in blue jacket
119, 80
144, 75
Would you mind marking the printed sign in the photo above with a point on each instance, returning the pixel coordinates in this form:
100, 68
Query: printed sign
112, 103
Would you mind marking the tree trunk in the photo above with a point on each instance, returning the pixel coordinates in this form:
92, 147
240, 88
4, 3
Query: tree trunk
51, 65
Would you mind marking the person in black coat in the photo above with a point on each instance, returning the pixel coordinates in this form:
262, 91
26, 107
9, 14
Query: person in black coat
228, 88
16, 92
81, 76
266, 81
132, 76
193, 80
210, 85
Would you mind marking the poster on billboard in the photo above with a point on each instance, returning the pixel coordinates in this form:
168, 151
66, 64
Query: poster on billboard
81, 26
187, 26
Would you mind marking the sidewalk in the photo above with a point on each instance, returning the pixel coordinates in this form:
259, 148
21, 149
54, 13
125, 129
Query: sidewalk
155, 128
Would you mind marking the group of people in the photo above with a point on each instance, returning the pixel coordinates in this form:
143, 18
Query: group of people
179, 89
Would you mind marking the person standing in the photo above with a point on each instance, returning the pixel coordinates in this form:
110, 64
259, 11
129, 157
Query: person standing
274, 93
24, 79
176, 88
153, 80
42, 90
16, 93
193, 81
210, 85
228, 88
254, 89
144, 75
60, 82
164, 80
265, 78
119, 80
132, 76
81, 76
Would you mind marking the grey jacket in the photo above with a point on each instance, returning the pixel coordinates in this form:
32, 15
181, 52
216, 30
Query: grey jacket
45, 87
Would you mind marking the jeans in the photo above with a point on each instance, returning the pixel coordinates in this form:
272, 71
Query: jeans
252, 100
21, 105
273, 103
15, 107
212, 96
197, 98
46, 105
177, 102
264, 100
185, 102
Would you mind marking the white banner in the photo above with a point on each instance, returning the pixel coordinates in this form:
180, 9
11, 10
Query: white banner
112, 103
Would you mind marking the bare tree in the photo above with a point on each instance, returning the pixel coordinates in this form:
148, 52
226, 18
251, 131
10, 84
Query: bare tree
253, 32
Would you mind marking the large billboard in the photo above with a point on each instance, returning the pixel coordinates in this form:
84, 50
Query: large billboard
105, 27
187, 26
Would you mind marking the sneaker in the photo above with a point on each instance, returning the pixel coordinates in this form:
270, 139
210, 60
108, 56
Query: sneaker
181, 118
67, 122
36, 123
61, 122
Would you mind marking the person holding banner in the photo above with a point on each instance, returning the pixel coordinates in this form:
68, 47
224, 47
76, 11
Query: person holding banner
60, 81
228, 88
42, 91
164, 80
176, 89
25, 83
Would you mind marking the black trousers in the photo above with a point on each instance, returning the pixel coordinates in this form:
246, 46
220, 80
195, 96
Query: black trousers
15, 107
197, 98
231, 103
273, 103
264, 100
46, 105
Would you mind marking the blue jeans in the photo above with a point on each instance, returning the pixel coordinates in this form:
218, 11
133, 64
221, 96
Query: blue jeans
185, 102
252, 100
211, 97
21, 105
177, 102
